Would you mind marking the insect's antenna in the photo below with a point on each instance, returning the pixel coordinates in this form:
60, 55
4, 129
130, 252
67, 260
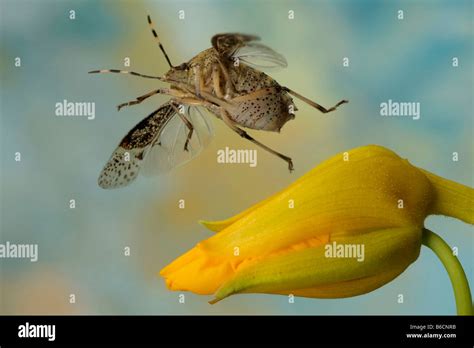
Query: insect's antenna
123, 72
159, 43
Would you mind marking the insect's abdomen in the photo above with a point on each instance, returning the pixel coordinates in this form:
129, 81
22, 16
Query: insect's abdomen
261, 104
269, 110
247, 80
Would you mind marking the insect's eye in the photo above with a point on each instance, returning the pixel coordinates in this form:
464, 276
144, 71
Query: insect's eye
183, 66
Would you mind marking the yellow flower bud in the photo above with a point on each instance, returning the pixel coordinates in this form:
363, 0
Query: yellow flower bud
356, 225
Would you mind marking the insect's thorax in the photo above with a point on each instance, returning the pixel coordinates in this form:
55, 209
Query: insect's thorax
244, 78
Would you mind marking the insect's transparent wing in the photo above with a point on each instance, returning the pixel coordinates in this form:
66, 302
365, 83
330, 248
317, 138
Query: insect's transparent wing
168, 151
259, 56
201, 121
127, 159
245, 48
226, 43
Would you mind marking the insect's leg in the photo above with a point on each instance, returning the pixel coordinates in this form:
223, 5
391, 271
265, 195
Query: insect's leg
225, 117
205, 97
174, 93
187, 123
198, 81
166, 91
139, 99
312, 103
229, 86
199, 102
116, 71
194, 101
158, 40
216, 82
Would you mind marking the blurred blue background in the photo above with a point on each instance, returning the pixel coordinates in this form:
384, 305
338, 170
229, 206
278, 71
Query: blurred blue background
81, 250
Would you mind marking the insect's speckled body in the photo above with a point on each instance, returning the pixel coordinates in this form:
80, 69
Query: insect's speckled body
268, 111
221, 79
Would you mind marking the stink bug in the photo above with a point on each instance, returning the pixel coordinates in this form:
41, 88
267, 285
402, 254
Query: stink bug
226, 81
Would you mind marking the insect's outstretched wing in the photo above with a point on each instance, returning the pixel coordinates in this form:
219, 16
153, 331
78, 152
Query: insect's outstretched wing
245, 49
259, 56
126, 161
226, 44
168, 150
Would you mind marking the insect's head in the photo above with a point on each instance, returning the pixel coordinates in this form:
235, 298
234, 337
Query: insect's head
178, 73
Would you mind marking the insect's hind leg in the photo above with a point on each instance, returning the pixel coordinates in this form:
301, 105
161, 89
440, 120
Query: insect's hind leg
187, 123
312, 103
225, 117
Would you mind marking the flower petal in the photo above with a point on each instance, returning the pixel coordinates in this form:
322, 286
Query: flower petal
386, 251
347, 288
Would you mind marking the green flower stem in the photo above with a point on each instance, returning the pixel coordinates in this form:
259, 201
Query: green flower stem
462, 293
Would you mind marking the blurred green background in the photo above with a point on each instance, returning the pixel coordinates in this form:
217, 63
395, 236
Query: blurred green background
81, 251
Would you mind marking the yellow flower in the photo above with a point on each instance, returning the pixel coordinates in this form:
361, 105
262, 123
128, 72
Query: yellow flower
347, 227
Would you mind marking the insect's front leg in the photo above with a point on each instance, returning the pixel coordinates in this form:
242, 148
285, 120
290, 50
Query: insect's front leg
227, 120
229, 86
139, 99
216, 82
198, 81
